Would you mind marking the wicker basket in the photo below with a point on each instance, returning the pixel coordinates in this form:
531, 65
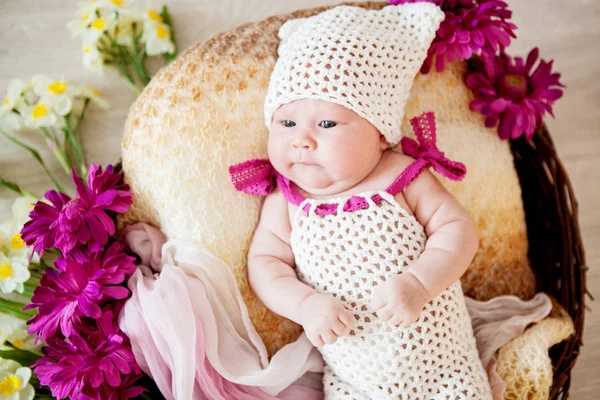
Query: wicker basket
555, 246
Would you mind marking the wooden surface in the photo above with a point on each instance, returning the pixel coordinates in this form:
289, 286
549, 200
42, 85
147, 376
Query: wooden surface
34, 39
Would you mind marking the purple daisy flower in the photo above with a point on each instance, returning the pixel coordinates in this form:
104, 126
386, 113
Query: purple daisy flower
512, 94
94, 363
85, 218
42, 228
84, 222
78, 289
470, 27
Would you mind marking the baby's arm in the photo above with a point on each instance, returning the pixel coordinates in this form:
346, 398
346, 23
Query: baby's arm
452, 238
450, 248
272, 277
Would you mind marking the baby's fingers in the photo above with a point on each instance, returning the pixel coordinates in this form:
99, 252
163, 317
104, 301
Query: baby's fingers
329, 337
339, 328
397, 319
346, 318
386, 312
378, 300
316, 340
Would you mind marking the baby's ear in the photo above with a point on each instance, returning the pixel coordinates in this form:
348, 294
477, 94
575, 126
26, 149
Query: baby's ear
383, 143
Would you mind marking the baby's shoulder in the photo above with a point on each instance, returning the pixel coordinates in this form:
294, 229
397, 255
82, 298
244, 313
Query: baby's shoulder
274, 214
392, 165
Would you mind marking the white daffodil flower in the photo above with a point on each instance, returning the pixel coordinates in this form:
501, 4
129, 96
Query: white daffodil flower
14, 96
125, 25
11, 122
39, 115
92, 58
14, 272
86, 13
14, 331
14, 381
87, 91
57, 93
99, 26
11, 243
157, 34
8, 326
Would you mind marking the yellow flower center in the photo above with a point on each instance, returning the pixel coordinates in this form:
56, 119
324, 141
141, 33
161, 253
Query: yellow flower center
16, 242
96, 93
117, 2
6, 101
57, 87
161, 32
98, 24
10, 385
6, 271
85, 17
154, 16
86, 50
39, 111
18, 343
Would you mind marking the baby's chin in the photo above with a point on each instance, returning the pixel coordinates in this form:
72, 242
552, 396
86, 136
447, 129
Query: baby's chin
314, 180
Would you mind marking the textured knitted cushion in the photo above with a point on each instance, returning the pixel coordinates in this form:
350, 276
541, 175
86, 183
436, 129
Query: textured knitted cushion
365, 60
204, 112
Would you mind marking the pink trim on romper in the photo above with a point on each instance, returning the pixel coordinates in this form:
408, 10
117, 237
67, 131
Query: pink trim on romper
260, 178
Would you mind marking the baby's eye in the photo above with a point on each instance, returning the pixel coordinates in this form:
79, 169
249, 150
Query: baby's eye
327, 124
289, 124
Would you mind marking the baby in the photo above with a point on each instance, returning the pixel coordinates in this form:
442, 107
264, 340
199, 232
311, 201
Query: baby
358, 243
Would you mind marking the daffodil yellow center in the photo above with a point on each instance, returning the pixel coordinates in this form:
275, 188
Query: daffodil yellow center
117, 2
6, 271
10, 385
161, 32
154, 16
18, 343
57, 87
96, 93
16, 242
6, 101
85, 17
86, 50
98, 24
39, 111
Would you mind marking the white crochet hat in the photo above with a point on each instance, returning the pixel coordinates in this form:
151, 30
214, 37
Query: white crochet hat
364, 60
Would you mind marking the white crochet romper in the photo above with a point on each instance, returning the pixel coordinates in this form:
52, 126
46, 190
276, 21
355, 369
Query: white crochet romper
347, 254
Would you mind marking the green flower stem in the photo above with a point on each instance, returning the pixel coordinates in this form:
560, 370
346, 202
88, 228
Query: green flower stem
35, 154
73, 140
15, 188
138, 64
78, 134
15, 309
137, 58
28, 289
61, 157
128, 78
59, 152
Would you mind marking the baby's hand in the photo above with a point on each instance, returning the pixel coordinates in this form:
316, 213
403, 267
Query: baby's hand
400, 300
324, 319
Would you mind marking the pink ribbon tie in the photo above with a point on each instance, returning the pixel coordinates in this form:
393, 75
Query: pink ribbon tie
425, 148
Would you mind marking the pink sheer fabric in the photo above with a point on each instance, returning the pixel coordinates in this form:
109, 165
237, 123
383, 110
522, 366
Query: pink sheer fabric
259, 177
190, 329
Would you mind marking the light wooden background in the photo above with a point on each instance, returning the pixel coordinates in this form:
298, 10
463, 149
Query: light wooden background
34, 39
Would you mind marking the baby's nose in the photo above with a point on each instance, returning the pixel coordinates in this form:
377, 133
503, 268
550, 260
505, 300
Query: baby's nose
304, 142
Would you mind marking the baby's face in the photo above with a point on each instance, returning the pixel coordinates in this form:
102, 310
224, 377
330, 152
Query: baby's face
323, 147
